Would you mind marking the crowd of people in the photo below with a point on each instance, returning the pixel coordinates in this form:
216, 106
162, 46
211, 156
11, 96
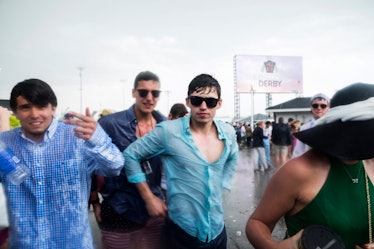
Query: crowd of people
157, 182
274, 143
117, 165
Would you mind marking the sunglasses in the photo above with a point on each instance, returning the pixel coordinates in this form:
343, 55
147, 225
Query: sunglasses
144, 93
197, 101
315, 106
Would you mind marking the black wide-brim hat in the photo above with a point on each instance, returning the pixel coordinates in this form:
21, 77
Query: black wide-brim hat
346, 131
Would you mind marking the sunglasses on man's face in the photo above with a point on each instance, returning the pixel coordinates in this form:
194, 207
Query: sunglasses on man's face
144, 93
315, 106
197, 101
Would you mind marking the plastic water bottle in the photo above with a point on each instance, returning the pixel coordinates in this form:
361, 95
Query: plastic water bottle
11, 166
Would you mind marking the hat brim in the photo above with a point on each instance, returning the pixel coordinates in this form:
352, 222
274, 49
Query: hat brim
346, 140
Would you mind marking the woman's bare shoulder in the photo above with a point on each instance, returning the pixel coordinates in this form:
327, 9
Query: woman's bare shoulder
310, 162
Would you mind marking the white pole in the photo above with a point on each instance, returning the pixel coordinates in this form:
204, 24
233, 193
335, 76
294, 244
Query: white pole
252, 109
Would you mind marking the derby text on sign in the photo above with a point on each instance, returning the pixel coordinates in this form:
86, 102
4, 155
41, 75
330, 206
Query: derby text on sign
268, 74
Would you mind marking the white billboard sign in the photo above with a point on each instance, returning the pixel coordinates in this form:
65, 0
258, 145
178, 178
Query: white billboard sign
268, 74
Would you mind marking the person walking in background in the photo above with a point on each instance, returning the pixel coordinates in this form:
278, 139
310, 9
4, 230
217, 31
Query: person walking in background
319, 105
267, 141
259, 157
281, 140
290, 121
248, 134
199, 155
330, 185
49, 208
295, 127
122, 216
243, 134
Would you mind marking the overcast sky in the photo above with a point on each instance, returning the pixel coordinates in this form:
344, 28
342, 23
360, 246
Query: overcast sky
113, 40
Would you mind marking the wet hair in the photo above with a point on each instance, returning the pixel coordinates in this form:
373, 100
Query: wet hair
178, 110
145, 75
202, 82
35, 91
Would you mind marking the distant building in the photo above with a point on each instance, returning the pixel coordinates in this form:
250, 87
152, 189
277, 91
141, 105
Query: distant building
5, 103
297, 108
256, 117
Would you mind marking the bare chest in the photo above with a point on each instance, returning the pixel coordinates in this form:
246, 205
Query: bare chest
210, 146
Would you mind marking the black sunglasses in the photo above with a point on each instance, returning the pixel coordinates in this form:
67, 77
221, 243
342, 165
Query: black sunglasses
315, 106
144, 93
197, 101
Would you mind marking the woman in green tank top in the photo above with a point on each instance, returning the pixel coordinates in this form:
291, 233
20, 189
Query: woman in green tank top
330, 185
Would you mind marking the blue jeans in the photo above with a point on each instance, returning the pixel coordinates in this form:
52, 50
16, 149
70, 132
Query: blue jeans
177, 238
267, 150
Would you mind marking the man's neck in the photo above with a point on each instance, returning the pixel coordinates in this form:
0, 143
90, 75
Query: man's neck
143, 117
203, 128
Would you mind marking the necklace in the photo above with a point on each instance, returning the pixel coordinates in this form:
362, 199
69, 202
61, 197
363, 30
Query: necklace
354, 180
369, 208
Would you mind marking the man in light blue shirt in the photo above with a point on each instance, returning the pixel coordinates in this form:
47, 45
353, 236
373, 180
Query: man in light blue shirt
49, 209
199, 155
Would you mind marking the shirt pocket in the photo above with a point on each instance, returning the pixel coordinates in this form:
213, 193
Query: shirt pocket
67, 172
66, 181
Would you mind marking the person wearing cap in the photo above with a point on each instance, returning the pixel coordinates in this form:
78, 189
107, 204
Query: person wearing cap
319, 105
330, 185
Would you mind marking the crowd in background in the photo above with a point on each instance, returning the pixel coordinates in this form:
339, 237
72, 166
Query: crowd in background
268, 153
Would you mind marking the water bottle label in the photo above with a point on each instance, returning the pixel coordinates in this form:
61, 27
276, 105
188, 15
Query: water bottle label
8, 161
16, 159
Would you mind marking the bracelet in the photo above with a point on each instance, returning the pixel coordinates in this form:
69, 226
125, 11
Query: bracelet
94, 202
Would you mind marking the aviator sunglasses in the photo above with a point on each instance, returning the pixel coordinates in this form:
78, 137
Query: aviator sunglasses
144, 93
315, 106
197, 101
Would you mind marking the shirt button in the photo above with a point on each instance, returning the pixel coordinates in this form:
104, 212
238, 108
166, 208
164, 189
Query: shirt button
40, 202
40, 183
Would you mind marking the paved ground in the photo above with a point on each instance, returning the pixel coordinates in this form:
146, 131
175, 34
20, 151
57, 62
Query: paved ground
247, 189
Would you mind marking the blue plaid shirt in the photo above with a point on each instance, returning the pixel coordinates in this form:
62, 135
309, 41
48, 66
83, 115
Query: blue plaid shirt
50, 208
194, 185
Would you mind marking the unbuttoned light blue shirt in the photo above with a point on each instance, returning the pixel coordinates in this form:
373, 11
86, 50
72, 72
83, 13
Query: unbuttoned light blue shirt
50, 208
194, 185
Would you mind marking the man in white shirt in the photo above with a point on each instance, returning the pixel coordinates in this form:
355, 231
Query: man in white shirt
319, 105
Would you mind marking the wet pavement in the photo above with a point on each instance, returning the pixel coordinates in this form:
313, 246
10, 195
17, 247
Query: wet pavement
247, 188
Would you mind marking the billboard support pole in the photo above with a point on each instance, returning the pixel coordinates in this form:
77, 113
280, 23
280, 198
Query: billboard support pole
252, 108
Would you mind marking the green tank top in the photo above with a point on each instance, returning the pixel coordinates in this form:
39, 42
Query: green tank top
340, 205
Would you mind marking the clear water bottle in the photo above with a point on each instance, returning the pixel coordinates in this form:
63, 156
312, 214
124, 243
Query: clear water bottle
11, 166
